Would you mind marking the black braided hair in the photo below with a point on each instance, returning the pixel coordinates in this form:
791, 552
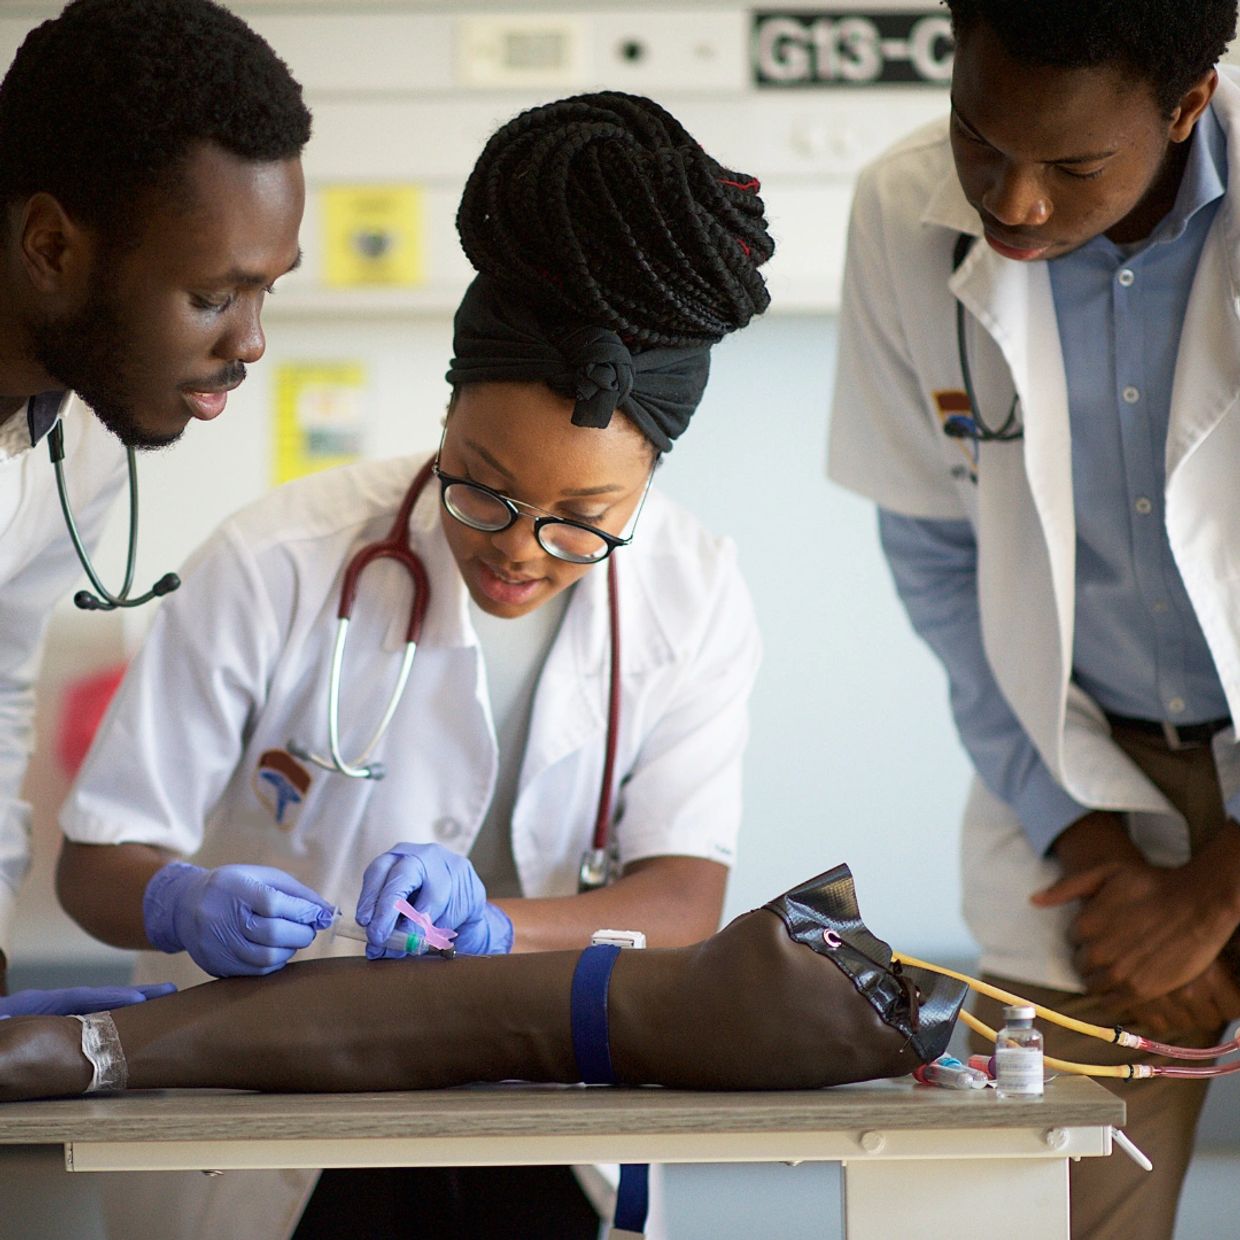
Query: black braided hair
605, 210
106, 101
1167, 44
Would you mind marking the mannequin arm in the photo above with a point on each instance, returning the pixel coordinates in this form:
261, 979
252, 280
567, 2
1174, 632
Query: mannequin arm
763, 1004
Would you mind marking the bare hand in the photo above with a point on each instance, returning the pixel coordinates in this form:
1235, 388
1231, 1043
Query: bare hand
1211, 1001
1143, 931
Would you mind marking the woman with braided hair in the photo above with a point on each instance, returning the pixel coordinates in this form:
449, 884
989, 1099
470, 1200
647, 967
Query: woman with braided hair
612, 252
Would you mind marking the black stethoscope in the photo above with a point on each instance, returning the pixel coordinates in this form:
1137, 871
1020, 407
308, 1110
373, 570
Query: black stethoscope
596, 861
104, 600
972, 425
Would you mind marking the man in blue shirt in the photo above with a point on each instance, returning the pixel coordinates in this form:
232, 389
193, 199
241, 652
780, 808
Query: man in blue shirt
1056, 478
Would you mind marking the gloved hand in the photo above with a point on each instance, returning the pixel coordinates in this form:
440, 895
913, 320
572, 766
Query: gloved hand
440, 883
78, 1000
235, 919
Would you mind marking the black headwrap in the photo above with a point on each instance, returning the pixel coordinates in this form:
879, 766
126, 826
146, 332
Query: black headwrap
498, 337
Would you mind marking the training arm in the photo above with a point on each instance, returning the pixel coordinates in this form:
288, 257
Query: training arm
763, 1004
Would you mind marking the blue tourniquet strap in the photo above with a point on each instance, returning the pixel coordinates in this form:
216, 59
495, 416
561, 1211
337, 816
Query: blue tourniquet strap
592, 1049
589, 1014
633, 1197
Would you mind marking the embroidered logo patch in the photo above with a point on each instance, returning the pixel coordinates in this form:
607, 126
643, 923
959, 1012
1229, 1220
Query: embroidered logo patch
281, 783
950, 402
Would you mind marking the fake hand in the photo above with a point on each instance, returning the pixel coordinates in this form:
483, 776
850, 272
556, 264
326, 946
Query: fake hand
235, 919
440, 883
1142, 930
79, 1000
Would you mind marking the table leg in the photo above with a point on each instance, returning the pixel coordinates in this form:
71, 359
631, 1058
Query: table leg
957, 1199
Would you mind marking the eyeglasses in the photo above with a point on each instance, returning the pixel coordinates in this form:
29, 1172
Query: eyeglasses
481, 508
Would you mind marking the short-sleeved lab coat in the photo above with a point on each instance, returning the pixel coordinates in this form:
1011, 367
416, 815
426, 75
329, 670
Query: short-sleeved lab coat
899, 371
237, 662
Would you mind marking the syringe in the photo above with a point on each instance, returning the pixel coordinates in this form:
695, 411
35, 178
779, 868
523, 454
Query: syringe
947, 1072
411, 942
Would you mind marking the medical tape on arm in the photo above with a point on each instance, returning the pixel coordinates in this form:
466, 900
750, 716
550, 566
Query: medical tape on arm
101, 1044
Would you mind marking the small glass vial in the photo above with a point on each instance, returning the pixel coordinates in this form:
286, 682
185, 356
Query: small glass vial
1018, 1055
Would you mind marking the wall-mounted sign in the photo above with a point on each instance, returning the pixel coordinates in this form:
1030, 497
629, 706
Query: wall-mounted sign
372, 235
800, 48
319, 418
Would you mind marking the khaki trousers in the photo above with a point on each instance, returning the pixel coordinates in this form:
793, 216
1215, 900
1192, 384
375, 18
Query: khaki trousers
1112, 1198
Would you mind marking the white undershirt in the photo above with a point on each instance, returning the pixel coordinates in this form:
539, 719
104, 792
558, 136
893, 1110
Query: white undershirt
14, 436
513, 652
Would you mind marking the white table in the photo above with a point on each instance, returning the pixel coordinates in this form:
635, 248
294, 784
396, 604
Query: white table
918, 1162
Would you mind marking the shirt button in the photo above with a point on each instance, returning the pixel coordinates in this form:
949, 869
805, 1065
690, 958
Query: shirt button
1176, 706
446, 828
1160, 608
1143, 506
1131, 395
1126, 276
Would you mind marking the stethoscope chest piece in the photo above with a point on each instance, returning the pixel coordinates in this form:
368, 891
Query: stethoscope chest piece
104, 599
597, 865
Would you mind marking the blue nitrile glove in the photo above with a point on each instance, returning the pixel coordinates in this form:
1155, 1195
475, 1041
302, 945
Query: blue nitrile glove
78, 1000
235, 919
440, 883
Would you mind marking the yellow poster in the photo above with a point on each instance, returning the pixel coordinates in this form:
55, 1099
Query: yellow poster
373, 235
319, 419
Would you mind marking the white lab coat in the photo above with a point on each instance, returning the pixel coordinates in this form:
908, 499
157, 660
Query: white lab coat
37, 568
897, 348
236, 665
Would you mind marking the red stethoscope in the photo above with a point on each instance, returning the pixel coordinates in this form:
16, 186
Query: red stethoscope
596, 861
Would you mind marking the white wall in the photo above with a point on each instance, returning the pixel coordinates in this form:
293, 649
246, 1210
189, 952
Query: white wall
853, 755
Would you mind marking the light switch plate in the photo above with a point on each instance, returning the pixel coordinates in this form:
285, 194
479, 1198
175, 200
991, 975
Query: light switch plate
508, 51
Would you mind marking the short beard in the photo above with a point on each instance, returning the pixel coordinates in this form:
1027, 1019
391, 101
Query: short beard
86, 352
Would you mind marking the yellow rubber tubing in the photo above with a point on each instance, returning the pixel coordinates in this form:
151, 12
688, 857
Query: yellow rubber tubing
1101, 1032
1121, 1071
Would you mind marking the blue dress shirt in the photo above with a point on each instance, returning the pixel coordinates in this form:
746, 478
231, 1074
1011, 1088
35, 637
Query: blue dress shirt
1138, 649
